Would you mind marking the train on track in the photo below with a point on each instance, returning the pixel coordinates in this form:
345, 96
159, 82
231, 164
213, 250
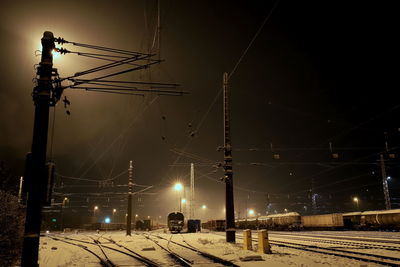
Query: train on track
176, 222
367, 220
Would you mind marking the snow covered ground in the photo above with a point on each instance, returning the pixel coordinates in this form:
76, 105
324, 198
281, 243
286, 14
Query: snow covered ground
58, 253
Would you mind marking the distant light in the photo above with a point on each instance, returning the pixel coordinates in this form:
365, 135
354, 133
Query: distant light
148, 217
251, 212
114, 210
178, 187
136, 215
204, 207
183, 200
96, 207
107, 220
388, 178
47, 232
355, 199
285, 210
54, 220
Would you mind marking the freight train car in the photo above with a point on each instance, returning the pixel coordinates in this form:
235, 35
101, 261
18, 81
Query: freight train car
325, 221
352, 220
144, 225
285, 221
214, 225
382, 219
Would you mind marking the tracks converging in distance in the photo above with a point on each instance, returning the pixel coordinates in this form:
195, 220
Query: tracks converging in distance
196, 256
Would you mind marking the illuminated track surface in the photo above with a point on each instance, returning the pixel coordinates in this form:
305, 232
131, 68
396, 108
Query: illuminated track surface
138, 259
327, 250
197, 257
336, 240
343, 236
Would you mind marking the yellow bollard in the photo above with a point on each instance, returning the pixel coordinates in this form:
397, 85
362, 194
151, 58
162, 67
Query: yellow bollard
263, 243
247, 240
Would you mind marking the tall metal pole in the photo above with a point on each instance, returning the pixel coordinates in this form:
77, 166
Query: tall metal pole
192, 191
229, 205
129, 212
384, 183
21, 181
37, 177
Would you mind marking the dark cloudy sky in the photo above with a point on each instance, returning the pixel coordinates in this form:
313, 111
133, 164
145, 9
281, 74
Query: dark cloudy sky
318, 72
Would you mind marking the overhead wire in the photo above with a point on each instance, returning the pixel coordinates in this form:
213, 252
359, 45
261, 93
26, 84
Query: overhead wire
253, 39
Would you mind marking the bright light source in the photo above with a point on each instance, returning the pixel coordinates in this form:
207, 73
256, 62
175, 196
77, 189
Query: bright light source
251, 212
96, 207
178, 187
388, 178
204, 207
355, 199
107, 220
136, 215
114, 210
183, 200
47, 232
55, 54
148, 217
285, 210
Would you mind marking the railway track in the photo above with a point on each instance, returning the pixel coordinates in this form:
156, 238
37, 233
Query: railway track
102, 247
373, 240
103, 262
338, 242
196, 256
360, 256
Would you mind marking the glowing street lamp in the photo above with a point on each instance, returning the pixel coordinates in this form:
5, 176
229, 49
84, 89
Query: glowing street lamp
179, 187
114, 211
203, 207
251, 212
355, 199
94, 210
183, 201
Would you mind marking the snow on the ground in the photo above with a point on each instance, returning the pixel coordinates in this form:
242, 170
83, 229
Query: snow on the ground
56, 253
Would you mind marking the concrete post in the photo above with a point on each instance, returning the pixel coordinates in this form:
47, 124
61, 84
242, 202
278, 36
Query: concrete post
247, 240
263, 243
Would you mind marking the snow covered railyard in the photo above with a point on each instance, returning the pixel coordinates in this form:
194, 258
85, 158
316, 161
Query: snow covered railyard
157, 248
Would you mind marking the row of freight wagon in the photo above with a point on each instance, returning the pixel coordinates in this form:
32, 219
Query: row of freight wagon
367, 220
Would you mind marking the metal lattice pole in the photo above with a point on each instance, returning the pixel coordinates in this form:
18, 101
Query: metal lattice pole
191, 191
384, 183
229, 204
129, 211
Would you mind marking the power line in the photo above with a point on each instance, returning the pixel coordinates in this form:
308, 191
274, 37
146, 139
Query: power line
253, 39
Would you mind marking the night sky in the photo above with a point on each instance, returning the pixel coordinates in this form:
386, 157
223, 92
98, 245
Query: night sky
319, 72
